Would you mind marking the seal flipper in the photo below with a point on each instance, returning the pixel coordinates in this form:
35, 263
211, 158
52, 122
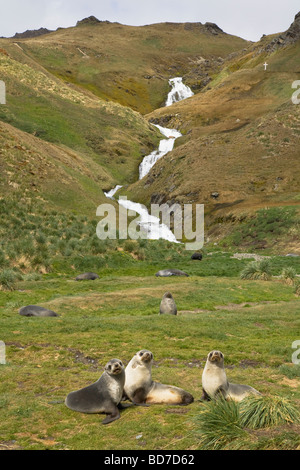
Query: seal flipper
111, 417
205, 396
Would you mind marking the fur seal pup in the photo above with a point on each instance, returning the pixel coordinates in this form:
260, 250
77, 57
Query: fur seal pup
168, 305
170, 272
215, 383
87, 277
103, 396
197, 256
36, 311
140, 388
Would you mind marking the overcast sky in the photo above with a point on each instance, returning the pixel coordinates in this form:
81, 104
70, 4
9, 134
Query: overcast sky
248, 19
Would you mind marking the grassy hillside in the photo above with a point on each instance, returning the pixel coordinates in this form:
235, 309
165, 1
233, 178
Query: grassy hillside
106, 134
126, 64
240, 140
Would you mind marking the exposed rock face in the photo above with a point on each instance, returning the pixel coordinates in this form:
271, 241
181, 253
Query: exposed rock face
32, 33
288, 37
89, 20
213, 28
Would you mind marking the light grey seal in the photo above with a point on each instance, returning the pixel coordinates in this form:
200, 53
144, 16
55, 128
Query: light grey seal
170, 272
36, 311
215, 383
87, 277
168, 305
140, 388
103, 396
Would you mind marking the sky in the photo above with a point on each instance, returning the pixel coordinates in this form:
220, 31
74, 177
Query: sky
249, 19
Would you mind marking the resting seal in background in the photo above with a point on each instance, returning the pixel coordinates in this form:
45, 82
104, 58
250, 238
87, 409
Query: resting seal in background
215, 383
140, 388
168, 305
197, 256
103, 396
36, 311
170, 272
87, 277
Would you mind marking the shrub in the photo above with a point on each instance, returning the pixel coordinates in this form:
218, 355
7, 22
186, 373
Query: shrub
257, 270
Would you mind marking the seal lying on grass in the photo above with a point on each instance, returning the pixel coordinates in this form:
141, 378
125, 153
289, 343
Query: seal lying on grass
87, 277
36, 311
170, 272
140, 388
215, 383
103, 396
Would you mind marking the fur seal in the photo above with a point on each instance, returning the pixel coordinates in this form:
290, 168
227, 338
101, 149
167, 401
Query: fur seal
140, 388
87, 277
170, 272
197, 256
103, 396
215, 383
36, 311
168, 305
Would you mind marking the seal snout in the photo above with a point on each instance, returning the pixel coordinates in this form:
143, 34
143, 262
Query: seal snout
145, 356
215, 356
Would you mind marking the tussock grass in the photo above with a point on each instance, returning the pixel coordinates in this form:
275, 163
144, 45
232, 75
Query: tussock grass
218, 424
289, 275
267, 411
257, 270
224, 424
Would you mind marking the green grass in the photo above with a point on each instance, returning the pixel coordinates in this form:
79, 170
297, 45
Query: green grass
117, 315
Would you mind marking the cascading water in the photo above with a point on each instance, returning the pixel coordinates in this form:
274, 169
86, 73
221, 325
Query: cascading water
179, 91
165, 146
148, 223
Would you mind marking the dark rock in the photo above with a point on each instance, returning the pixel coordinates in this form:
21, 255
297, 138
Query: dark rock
36, 311
213, 28
215, 195
32, 33
87, 277
89, 20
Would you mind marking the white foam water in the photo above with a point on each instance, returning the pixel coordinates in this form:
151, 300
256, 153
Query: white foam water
150, 224
110, 194
179, 91
165, 146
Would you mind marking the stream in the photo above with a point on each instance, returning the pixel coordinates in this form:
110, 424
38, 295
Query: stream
149, 224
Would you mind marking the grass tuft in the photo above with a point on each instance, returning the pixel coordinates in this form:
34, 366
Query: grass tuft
267, 411
257, 270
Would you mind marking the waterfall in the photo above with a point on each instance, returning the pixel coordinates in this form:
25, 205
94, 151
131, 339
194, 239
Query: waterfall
165, 146
179, 91
148, 223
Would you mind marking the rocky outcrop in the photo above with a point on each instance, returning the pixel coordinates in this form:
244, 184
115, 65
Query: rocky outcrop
32, 33
213, 28
90, 20
290, 36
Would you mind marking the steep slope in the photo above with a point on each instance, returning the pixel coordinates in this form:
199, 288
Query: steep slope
55, 176
240, 146
130, 65
106, 133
